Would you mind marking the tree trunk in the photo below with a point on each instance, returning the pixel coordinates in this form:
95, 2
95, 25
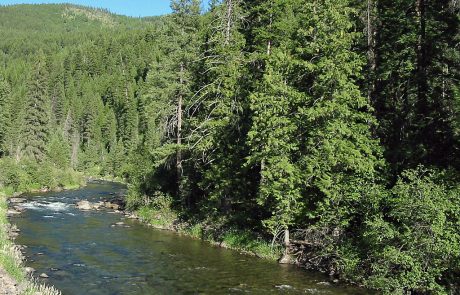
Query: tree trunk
371, 56
287, 241
75, 145
229, 21
286, 258
269, 42
421, 53
179, 132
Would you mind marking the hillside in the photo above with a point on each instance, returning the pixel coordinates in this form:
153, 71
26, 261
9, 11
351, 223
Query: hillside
26, 28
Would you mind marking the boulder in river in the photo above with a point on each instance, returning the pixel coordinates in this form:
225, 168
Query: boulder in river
98, 206
109, 205
115, 203
131, 216
286, 259
44, 276
84, 205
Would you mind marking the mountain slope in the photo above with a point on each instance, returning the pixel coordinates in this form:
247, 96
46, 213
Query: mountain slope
27, 27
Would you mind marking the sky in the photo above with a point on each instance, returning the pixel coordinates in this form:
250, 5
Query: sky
134, 8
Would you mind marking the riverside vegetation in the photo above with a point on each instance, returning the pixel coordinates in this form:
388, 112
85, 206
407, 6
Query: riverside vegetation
329, 127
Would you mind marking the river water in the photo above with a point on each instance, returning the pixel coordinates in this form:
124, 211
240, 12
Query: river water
82, 253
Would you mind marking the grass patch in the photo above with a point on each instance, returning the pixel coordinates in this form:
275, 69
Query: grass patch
157, 218
248, 242
196, 231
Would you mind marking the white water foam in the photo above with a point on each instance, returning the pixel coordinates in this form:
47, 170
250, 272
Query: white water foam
55, 206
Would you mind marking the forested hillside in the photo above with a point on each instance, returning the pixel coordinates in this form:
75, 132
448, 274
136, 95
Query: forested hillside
329, 126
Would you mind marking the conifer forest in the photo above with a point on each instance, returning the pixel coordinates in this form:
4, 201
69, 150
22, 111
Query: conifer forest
330, 128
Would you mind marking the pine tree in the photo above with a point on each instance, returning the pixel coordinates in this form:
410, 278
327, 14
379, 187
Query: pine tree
58, 150
36, 128
339, 156
5, 117
415, 88
57, 96
275, 145
216, 112
185, 25
273, 136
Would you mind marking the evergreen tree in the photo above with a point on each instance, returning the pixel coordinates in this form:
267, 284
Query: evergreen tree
415, 92
5, 109
36, 128
216, 114
185, 23
339, 156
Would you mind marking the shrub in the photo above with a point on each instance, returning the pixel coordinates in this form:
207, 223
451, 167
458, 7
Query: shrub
418, 241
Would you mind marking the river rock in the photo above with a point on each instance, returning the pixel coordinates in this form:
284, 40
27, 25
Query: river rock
109, 205
84, 205
14, 229
284, 287
286, 259
44, 190
12, 212
44, 276
19, 208
17, 200
30, 270
120, 223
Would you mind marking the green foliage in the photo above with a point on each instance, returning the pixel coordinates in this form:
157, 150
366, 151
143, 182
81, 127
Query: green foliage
415, 84
271, 138
157, 211
58, 151
247, 242
418, 241
28, 175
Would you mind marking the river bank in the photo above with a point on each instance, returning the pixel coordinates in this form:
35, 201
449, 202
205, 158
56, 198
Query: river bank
14, 277
244, 242
159, 215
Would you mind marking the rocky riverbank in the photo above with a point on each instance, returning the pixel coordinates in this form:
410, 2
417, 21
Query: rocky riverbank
8, 285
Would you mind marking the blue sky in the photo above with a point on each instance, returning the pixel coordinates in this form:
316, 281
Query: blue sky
125, 7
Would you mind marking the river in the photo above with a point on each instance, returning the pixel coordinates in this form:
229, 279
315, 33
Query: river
82, 253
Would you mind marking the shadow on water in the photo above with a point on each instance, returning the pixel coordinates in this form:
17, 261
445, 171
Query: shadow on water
83, 254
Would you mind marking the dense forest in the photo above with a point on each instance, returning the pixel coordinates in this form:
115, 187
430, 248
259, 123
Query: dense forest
329, 126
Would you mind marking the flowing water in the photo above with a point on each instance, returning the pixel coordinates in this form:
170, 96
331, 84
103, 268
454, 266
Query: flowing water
82, 253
